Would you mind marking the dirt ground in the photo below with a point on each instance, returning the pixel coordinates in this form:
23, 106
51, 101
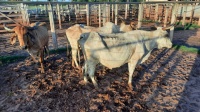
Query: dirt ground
169, 81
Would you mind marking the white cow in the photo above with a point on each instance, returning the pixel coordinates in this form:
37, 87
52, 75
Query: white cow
73, 35
114, 50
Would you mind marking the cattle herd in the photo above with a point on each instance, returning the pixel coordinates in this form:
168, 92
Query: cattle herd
111, 45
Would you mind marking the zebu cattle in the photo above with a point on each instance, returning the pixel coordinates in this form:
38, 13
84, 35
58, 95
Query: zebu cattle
33, 38
114, 50
127, 28
73, 35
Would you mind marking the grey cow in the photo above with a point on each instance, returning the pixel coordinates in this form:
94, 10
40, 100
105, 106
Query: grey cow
114, 50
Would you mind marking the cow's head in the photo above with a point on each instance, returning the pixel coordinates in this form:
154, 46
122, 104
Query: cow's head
163, 39
21, 34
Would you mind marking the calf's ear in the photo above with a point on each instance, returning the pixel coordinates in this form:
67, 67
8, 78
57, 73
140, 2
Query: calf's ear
13, 39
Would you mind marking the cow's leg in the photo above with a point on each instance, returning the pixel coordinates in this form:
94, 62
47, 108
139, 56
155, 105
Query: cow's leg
91, 70
85, 71
32, 56
131, 68
42, 60
74, 57
34, 59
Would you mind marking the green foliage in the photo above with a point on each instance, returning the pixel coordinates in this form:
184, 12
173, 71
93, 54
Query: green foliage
60, 50
187, 26
187, 49
10, 59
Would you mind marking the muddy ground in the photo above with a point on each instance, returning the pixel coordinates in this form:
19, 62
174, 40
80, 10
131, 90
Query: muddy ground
168, 81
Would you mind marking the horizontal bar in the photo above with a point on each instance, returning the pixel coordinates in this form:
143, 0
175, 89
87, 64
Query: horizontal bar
149, 2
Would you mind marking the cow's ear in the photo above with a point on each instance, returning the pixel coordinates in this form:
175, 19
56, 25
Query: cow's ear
13, 39
132, 24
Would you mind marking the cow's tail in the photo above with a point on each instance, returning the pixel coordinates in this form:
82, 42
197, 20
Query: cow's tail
79, 58
46, 50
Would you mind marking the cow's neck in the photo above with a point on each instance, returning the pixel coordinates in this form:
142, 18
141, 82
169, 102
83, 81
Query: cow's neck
150, 40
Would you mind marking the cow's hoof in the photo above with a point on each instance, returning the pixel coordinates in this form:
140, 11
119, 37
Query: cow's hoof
96, 86
42, 71
82, 82
130, 86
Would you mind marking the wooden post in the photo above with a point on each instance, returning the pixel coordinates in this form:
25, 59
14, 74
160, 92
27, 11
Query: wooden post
104, 14
46, 10
54, 37
184, 14
69, 15
173, 18
140, 15
156, 13
199, 21
192, 14
61, 10
112, 12
116, 13
126, 11
150, 7
77, 10
59, 18
24, 12
166, 15
88, 14
108, 12
99, 15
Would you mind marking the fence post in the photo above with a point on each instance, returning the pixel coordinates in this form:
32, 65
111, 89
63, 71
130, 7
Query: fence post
112, 12
173, 18
104, 14
108, 12
99, 15
126, 11
59, 18
192, 14
46, 10
22, 11
166, 16
199, 21
116, 13
88, 14
156, 12
25, 18
51, 20
140, 15
184, 14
